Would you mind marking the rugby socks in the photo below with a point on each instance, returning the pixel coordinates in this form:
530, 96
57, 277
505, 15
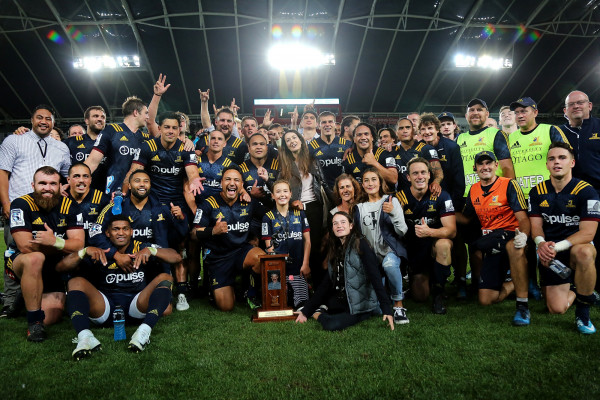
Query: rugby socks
254, 287
523, 302
582, 306
182, 287
36, 316
440, 276
157, 304
78, 307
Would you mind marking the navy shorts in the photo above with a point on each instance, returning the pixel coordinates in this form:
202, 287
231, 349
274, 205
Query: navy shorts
493, 271
223, 268
119, 299
551, 278
53, 281
419, 251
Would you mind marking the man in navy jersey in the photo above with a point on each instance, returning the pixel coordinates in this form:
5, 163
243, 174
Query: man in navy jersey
100, 286
365, 154
259, 170
222, 225
151, 220
91, 201
328, 148
80, 146
211, 165
235, 147
410, 148
119, 143
44, 226
564, 213
431, 228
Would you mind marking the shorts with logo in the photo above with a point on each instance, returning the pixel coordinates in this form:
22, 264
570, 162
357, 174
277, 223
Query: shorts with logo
127, 301
223, 267
53, 281
551, 278
420, 256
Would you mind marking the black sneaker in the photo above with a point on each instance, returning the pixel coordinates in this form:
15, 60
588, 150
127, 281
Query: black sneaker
439, 304
400, 317
36, 332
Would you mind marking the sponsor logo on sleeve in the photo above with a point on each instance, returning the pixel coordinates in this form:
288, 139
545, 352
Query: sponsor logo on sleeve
198, 216
16, 218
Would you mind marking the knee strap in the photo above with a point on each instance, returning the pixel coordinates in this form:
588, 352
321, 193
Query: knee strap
165, 284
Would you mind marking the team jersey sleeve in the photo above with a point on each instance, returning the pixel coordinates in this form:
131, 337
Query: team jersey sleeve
589, 204
534, 203
202, 218
386, 159
20, 216
445, 204
515, 196
305, 225
202, 143
267, 228
468, 209
103, 143
144, 155
501, 146
74, 217
190, 158
96, 231
430, 153
557, 135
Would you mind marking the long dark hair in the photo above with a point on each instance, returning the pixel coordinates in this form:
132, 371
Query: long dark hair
383, 186
286, 158
336, 191
336, 250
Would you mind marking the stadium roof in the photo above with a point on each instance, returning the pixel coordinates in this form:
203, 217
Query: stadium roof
391, 55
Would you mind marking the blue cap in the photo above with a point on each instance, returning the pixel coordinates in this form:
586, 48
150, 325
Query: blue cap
524, 102
477, 101
446, 115
485, 154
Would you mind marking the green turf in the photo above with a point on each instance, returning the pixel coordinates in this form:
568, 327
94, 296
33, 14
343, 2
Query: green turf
473, 352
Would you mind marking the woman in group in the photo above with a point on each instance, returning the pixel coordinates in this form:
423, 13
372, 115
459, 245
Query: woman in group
346, 193
306, 181
381, 220
352, 290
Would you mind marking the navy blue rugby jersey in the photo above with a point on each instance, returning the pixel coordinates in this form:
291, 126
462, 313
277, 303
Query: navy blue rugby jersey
432, 208
354, 166
285, 234
330, 156
80, 148
402, 157
90, 207
213, 172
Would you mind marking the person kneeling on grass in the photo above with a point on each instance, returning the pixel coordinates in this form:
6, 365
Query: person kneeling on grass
352, 291
100, 286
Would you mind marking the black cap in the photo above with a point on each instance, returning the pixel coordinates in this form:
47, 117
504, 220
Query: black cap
477, 101
485, 154
524, 102
446, 115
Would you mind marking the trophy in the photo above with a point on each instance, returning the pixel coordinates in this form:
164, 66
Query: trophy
274, 290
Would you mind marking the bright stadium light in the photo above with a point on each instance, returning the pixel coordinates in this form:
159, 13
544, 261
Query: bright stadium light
294, 56
481, 62
95, 63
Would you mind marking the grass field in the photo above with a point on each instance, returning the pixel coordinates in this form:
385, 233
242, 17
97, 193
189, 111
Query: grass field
471, 353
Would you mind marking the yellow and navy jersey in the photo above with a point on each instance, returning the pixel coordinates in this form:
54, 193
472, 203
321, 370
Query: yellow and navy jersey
354, 166
212, 172
26, 215
166, 168
238, 218
402, 157
285, 234
250, 174
330, 156
432, 208
90, 207
110, 278
80, 148
563, 211
119, 145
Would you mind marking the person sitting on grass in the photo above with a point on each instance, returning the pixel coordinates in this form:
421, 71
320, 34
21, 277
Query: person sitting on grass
381, 221
287, 231
100, 286
352, 290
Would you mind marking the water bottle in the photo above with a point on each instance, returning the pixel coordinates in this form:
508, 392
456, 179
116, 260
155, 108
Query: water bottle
119, 323
118, 200
560, 269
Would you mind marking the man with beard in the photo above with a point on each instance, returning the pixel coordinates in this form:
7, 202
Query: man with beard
235, 147
44, 226
80, 146
222, 225
91, 201
328, 148
151, 221
20, 156
120, 143
365, 154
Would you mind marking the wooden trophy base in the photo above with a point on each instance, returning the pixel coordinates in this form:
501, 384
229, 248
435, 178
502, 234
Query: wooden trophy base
277, 315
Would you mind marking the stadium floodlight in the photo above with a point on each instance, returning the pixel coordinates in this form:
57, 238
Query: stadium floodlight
482, 62
295, 56
95, 63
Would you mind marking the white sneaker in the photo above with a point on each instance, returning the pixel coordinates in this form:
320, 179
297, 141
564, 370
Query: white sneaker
182, 303
140, 338
86, 343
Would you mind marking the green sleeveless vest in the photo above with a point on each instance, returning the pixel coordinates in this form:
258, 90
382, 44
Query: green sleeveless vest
528, 153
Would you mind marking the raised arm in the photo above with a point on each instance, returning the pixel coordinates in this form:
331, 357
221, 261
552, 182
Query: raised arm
159, 90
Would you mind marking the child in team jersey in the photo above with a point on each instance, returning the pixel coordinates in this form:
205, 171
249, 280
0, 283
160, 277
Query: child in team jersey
286, 231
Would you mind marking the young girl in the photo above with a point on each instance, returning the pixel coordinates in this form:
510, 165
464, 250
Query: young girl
352, 290
381, 220
286, 231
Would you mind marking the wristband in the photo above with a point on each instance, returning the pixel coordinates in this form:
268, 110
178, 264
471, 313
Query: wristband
59, 244
205, 234
538, 240
562, 245
153, 250
81, 253
157, 94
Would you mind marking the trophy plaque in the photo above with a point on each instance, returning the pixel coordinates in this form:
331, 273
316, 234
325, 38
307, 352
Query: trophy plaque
274, 290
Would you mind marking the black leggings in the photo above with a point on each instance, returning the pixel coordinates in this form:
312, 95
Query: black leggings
338, 316
314, 215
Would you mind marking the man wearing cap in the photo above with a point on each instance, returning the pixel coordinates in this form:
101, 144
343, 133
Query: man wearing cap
449, 129
500, 206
